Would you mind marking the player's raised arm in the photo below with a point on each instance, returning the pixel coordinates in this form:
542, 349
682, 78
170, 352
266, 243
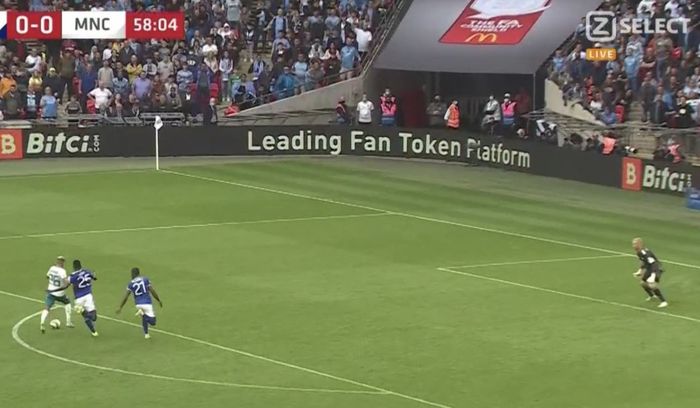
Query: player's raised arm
155, 295
126, 297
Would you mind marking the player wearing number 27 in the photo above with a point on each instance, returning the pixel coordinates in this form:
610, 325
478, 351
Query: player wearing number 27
56, 292
140, 287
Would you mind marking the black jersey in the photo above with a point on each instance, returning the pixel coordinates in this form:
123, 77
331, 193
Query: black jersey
650, 263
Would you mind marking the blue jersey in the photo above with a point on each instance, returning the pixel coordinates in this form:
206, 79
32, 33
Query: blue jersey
82, 282
139, 288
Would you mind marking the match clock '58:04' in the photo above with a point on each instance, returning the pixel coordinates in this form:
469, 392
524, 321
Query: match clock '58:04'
164, 26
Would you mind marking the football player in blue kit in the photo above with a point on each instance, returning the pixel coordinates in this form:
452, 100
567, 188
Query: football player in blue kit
140, 287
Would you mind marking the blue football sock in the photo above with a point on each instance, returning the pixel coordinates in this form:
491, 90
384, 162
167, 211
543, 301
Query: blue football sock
90, 324
93, 315
152, 321
144, 322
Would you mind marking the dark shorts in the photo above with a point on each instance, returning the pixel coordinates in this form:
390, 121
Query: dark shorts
652, 277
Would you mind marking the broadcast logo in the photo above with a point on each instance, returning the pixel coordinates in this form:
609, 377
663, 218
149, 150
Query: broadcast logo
606, 27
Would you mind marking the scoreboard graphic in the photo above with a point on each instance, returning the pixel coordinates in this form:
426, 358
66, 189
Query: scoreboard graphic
91, 25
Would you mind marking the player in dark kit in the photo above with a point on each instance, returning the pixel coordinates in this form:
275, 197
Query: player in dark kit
650, 272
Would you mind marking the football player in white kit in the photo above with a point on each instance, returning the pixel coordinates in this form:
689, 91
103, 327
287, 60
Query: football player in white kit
56, 276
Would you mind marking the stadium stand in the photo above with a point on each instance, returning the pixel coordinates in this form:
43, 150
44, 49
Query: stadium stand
240, 53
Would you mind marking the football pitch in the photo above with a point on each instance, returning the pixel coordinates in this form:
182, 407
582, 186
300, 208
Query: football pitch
348, 283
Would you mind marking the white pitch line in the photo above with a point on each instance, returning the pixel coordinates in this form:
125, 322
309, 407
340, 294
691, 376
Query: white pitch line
571, 295
420, 217
536, 261
75, 173
186, 226
21, 342
262, 358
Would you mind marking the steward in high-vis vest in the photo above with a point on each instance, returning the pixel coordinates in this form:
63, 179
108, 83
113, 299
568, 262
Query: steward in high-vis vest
452, 115
675, 153
508, 111
608, 145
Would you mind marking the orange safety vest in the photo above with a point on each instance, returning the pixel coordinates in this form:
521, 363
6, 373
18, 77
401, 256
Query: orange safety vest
453, 117
673, 149
608, 145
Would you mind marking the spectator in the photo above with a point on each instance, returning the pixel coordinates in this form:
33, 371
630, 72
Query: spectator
13, 103
120, 85
87, 82
73, 106
6, 84
436, 112
49, 105
105, 75
133, 69
257, 68
226, 68
364, 111
348, 58
165, 68
54, 81
632, 63
172, 100
142, 86
300, 69
388, 107
150, 68
31, 105
36, 80
342, 113
314, 76
284, 86
364, 39
211, 116
34, 61
608, 117
316, 51
101, 96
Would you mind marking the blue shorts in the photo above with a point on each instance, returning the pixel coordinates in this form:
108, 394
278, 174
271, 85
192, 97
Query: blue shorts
51, 300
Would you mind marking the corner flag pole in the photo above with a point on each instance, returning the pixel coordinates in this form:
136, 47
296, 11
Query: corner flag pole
157, 125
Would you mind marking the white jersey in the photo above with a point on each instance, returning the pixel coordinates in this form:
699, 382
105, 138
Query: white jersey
56, 276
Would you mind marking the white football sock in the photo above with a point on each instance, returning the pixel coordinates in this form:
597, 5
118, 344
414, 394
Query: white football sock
69, 309
44, 315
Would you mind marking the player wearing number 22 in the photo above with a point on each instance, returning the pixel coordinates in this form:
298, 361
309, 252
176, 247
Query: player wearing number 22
140, 287
56, 292
650, 272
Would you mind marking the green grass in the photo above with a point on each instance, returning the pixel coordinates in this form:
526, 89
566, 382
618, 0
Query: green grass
281, 290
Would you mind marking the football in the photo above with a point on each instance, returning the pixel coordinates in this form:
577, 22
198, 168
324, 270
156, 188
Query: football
55, 324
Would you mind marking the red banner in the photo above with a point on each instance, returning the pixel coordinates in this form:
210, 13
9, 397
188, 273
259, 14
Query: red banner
11, 144
488, 22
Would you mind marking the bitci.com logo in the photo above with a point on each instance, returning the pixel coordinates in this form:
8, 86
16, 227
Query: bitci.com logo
606, 27
41, 144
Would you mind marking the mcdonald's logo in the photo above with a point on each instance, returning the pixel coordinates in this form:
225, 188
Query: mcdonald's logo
481, 38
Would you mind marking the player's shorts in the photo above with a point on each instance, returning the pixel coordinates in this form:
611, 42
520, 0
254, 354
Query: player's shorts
52, 299
147, 310
652, 277
86, 302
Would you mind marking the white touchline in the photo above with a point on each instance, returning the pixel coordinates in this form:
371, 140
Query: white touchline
262, 358
186, 226
21, 342
567, 294
420, 217
535, 261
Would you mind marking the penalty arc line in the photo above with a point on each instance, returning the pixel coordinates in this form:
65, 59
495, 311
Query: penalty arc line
379, 390
21, 342
419, 217
186, 226
567, 294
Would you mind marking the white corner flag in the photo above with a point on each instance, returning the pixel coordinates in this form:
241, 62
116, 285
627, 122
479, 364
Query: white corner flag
157, 125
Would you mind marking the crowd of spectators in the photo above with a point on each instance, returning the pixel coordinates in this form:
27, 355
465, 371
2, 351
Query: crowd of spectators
658, 73
239, 52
